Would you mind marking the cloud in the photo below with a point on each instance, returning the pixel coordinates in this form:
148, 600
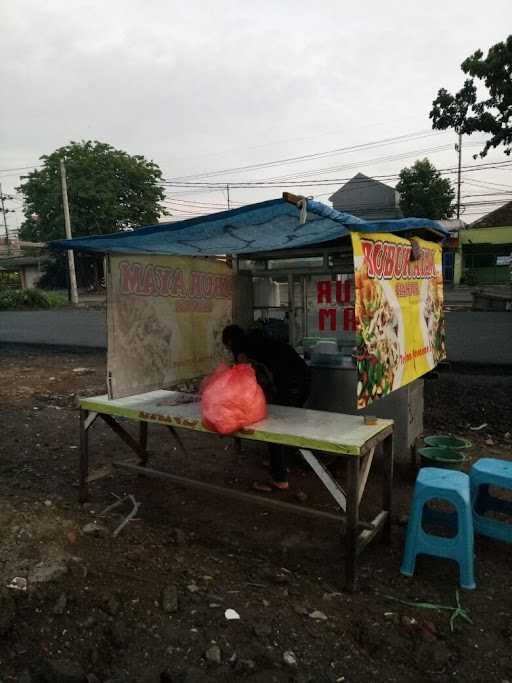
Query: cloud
182, 82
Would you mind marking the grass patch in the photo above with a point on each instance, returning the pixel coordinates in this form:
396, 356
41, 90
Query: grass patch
57, 298
31, 299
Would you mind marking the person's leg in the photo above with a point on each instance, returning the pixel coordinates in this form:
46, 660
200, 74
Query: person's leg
278, 468
296, 395
278, 463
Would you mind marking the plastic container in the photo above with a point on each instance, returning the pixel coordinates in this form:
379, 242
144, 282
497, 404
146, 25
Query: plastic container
447, 441
326, 346
446, 458
327, 359
308, 344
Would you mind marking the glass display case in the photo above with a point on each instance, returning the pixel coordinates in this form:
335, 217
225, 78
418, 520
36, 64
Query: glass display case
308, 301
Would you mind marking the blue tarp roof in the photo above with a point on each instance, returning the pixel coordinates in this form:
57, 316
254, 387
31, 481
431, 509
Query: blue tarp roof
265, 226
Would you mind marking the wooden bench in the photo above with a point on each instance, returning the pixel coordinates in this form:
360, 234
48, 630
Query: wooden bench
315, 433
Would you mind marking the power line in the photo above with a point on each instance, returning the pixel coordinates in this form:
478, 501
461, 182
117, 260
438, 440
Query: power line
198, 203
315, 155
198, 212
20, 168
487, 194
329, 181
285, 140
487, 183
366, 162
363, 206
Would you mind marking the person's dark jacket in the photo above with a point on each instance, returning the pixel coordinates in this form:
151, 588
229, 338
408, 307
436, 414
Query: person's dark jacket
281, 372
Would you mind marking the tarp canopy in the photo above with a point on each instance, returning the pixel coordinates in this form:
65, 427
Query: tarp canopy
265, 226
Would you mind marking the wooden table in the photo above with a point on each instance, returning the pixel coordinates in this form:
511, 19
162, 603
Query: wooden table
313, 432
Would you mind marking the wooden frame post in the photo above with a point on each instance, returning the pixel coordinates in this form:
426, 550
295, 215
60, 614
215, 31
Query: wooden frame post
143, 442
178, 440
387, 485
352, 531
84, 456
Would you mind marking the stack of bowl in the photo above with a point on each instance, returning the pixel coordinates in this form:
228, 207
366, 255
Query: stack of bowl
444, 450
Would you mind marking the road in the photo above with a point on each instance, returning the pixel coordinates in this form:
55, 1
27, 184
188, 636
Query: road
56, 328
479, 337
472, 337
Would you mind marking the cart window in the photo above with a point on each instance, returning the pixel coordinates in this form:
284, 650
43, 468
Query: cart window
330, 309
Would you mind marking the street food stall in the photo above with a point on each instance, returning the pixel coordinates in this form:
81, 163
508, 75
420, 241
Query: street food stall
334, 285
307, 296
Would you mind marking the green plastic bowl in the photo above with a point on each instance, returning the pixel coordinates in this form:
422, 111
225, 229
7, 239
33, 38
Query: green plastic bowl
442, 457
447, 441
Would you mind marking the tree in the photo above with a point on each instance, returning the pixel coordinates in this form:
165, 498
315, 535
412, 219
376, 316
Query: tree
424, 193
108, 190
492, 115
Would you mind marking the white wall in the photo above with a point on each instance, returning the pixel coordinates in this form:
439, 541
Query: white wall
31, 276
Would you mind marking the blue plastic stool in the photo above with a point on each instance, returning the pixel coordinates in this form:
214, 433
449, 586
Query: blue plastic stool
453, 487
484, 473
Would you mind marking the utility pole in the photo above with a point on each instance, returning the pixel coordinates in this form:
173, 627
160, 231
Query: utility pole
67, 223
4, 212
458, 148
227, 189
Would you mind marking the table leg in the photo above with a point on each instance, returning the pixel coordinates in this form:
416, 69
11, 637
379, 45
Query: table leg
387, 485
177, 437
325, 477
352, 531
143, 443
84, 457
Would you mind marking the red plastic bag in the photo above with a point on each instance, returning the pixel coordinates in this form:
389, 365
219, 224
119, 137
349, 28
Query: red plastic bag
231, 398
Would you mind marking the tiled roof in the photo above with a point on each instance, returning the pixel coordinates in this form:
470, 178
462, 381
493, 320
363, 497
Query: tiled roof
498, 218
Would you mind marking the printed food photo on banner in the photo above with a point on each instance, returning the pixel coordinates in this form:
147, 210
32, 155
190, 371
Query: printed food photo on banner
432, 319
398, 311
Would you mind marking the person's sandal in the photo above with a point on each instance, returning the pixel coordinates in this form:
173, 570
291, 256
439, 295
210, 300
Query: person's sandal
271, 486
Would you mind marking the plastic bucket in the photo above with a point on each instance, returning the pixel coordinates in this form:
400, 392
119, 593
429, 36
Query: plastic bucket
442, 457
447, 441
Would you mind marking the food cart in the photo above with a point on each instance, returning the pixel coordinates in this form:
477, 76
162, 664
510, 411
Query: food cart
169, 295
306, 296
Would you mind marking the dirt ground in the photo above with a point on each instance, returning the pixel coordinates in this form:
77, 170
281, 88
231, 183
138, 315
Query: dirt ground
149, 604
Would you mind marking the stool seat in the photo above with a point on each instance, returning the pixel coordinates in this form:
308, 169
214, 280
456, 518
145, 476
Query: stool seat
444, 481
484, 473
453, 487
496, 471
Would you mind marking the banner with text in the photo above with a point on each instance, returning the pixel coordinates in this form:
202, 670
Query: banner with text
398, 312
165, 320
330, 305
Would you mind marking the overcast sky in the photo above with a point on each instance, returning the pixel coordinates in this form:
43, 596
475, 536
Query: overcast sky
204, 86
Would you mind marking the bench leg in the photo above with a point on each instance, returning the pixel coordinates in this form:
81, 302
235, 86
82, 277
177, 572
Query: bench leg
178, 440
325, 477
143, 443
352, 531
83, 492
387, 486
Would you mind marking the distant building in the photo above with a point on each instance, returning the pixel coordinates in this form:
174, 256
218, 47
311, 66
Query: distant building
485, 249
499, 218
451, 255
24, 271
21, 263
367, 198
